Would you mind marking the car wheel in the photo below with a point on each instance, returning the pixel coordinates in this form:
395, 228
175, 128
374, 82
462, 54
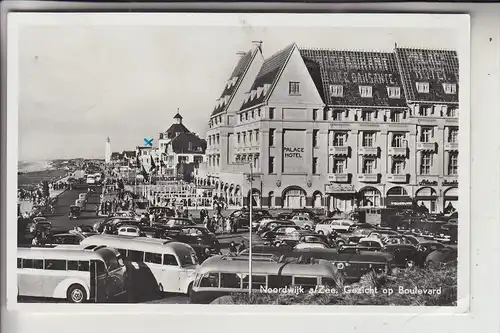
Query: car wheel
306, 227
76, 294
320, 232
340, 243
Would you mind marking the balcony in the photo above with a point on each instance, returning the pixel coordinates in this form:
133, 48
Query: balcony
369, 177
397, 151
338, 177
397, 178
451, 146
368, 151
338, 150
429, 146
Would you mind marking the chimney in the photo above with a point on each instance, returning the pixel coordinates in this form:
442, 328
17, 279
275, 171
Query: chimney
258, 44
240, 54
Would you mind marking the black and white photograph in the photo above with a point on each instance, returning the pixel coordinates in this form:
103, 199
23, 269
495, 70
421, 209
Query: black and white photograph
238, 160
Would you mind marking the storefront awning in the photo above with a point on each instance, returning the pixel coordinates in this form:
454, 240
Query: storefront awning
399, 201
339, 189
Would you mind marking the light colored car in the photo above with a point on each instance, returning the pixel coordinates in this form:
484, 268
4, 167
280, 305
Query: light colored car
302, 246
128, 214
128, 230
325, 227
303, 221
39, 224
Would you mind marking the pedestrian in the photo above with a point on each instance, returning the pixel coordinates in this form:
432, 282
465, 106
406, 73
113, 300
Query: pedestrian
234, 225
228, 225
232, 248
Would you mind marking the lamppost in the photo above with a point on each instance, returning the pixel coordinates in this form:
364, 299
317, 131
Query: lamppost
250, 179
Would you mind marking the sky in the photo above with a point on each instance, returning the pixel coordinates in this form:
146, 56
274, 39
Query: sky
80, 84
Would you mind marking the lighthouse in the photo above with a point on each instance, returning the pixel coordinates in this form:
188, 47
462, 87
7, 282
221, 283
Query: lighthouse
107, 156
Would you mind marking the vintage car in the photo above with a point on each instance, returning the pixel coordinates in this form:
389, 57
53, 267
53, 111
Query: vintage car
74, 212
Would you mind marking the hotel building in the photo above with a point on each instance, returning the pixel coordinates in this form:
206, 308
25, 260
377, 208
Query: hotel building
337, 129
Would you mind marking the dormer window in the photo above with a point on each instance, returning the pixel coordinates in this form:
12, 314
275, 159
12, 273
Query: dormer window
452, 112
294, 88
259, 91
368, 115
253, 95
365, 91
336, 90
422, 87
267, 86
190, 146
450, 88
425, 110
394, 92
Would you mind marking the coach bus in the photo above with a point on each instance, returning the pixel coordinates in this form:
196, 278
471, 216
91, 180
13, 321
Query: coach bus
79, 274
171, 266
224, 275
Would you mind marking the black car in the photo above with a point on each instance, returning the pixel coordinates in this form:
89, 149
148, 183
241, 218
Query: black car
405, 255
69, 239
312, 216
355, 226
284, 216
424, 249
357, 234
194, 235
441, 256
242, 217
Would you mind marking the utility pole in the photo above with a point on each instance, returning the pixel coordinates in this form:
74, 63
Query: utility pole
250, 179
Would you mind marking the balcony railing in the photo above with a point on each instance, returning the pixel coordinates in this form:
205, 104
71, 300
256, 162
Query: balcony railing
397, 178
338, 177
397, 151
369, 177
373, 151
338, 150
431, 146
451, 146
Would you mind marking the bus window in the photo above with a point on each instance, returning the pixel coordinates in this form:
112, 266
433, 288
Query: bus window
230, 280
19, 263
279, 281
305, 282
257, 281
55, 265
135, 255
153, 258
123, 252
210, 280
112, 263
83, 266
99, 266
38, 263
328, 282
169, 260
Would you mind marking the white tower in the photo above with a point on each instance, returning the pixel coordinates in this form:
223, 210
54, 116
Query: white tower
107, 157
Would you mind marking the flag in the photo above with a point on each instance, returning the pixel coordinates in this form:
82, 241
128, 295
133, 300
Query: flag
144, 173
153, 165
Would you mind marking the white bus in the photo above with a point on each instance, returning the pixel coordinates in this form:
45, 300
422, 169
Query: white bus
90, 179
172, 264
78, 274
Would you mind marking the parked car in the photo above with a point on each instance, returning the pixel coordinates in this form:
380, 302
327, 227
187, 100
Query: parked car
129, 230
381, 234
357, 225
271, 224
242, 217
306, 212
66, 238
357, 234
39, 225
173, 222
194, 235
303, 221
85, 230
127, 214
405, 255
325, 227
441, 256
369, 244
310, 245
278, 232
74, 212
424, 249
284, 216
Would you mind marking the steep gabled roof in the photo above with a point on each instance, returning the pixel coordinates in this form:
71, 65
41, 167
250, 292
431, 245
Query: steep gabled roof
352, 69
268, 74
175, 130
433, 66
188, 143
236, 77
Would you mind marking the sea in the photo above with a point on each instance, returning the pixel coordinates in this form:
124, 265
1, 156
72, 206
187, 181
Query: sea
31, 166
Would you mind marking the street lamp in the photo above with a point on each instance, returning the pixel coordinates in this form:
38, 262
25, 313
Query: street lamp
250, 179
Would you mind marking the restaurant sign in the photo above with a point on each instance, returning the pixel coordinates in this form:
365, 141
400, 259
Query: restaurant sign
426, 182
339, 188
450, 183
403, 201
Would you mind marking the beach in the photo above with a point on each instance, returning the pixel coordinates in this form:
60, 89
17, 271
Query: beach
36, 172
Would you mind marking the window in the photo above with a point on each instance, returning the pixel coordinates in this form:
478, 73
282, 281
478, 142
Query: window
209, 140
218, 139
339, 165
394, 92
271, 164
453, 163
452, 112
169, 260
55, 265
244, 137
336, 90
241, 117
425, 111
28, 263
19, 263
396, 116
367, 115
271, 137
135, 255
271, 113
238, 137
154, 258
315, 166
190, 146
257, 136
230, 280
293, 88
328, 282
315, 138
210, 280
315, 114
279, 281
450, 88
246, 115
337, 115
426, 163
368, 138
453, 135
257, 281
306, 282
422, 87
365, 91
426, 134
253, 114
339, 139
397, 140
250, 136
368, 165
258, 113
398, 166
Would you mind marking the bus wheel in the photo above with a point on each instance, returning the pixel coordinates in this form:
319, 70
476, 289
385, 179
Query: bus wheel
76, 294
